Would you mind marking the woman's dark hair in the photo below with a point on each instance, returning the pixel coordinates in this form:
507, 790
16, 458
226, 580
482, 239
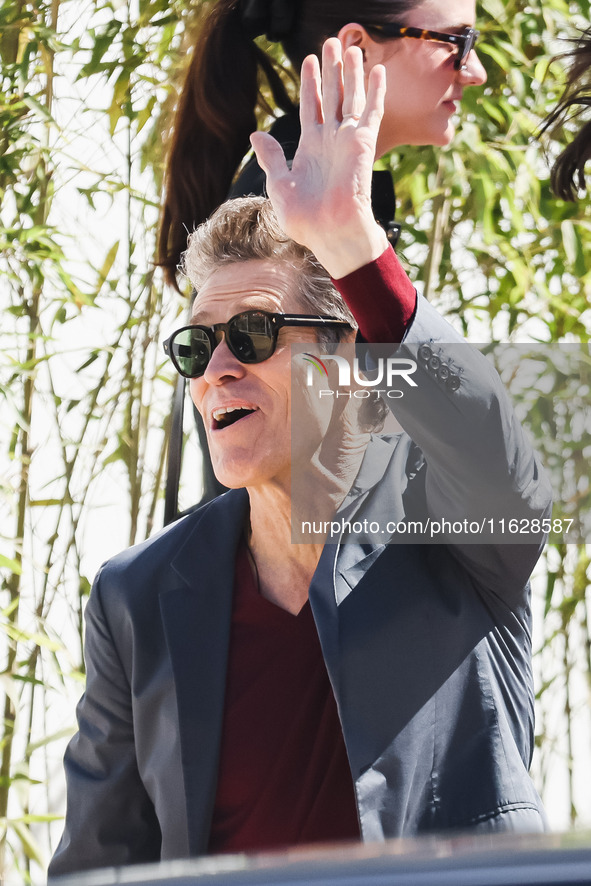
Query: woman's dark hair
217, 107
568, 171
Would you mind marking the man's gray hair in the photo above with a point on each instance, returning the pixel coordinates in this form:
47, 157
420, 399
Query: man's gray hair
246, 229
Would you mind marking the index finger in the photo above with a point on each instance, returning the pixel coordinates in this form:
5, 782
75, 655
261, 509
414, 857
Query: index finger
332, 81
311, 114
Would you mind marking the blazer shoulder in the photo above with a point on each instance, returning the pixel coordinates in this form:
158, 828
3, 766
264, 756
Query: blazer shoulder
148, 567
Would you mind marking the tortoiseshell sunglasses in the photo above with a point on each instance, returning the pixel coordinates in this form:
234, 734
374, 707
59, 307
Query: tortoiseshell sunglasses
464, 41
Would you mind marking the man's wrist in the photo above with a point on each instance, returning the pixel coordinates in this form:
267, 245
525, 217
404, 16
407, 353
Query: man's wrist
346, 253
381, 298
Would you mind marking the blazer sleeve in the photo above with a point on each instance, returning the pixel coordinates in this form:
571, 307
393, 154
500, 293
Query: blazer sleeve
110, 819
480, 464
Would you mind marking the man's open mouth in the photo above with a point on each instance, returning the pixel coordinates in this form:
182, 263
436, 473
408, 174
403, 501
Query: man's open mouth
229, 415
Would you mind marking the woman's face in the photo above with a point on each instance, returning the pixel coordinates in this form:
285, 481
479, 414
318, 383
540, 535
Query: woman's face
423, 87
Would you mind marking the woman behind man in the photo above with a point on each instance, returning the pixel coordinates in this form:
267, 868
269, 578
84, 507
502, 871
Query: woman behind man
426, 76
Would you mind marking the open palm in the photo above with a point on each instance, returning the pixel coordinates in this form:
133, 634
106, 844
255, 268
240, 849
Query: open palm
324, 200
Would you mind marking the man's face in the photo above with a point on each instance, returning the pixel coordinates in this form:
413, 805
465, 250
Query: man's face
254, 448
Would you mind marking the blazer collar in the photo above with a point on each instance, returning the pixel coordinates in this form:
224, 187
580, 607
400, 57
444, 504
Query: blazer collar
197, 616
216, 530
373, 467
373, 497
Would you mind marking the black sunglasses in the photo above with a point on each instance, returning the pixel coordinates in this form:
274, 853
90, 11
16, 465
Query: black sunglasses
464, 41
251, 336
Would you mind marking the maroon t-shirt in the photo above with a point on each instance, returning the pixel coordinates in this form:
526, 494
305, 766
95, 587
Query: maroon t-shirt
283, 775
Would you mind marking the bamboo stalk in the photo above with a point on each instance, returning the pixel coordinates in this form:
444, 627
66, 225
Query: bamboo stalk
440, 231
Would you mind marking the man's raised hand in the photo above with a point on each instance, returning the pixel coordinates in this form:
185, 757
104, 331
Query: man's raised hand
324, 201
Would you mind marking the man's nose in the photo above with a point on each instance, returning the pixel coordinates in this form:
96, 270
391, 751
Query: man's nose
223, 364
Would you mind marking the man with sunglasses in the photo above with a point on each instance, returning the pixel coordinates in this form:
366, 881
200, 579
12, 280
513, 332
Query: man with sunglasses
245, 692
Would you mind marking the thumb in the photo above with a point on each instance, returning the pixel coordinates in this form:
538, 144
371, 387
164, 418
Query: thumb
269, 154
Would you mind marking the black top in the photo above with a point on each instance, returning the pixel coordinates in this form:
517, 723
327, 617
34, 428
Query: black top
286, 130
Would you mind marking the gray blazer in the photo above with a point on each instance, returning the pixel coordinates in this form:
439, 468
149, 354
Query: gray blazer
427, 646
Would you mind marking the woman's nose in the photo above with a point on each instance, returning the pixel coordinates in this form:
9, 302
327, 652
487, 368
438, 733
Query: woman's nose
472, 72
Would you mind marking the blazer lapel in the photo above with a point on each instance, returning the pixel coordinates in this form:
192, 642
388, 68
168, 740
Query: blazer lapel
374, 499
197, 618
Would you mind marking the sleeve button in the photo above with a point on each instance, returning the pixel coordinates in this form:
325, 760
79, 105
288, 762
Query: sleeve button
425, 352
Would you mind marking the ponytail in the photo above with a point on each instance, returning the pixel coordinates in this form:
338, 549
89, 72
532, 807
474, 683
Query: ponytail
214, 118
568, 172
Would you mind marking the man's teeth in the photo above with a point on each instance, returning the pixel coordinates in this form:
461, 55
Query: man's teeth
229, 415
219, 413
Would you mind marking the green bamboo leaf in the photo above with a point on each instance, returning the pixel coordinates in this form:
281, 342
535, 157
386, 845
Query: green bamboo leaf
22, 636
29, 844
103, 42
10, 564
49, 502
496, 54
15, 778
107, 264
493, 111
42, 743
569, 241
145, 114
8, 610
89, 361
165, 20
35, 105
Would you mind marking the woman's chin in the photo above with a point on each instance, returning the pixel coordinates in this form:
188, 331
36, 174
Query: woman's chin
442, 137
437, 138
448, 135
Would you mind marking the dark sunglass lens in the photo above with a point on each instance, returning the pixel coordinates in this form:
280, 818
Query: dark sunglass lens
461, 56
250, 337
191, 350
466, 47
